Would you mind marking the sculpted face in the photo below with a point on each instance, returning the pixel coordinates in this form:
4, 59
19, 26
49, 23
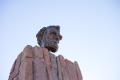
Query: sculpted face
49, 38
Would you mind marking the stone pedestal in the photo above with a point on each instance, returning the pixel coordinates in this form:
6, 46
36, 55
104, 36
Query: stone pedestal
36, 63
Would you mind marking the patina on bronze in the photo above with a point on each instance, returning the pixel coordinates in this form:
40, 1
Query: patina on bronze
49, 37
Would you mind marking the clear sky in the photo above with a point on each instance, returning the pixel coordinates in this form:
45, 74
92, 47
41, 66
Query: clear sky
90, 29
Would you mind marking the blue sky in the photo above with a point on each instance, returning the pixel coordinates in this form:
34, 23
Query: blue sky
90, 29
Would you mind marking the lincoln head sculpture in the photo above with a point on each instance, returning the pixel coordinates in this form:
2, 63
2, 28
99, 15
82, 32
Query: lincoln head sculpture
49, 37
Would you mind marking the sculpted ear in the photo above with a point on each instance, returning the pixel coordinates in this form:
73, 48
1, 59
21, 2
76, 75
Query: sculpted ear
40, 34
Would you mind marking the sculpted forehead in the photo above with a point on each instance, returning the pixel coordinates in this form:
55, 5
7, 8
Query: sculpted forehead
56, 28
53, 29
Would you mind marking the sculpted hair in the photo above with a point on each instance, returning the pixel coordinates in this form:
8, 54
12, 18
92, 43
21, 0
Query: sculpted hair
40, 35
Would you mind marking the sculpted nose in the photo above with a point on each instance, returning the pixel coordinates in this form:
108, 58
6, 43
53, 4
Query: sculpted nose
60, 37
57, 38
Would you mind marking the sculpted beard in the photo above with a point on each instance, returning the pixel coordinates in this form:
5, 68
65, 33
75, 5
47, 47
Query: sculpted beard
51, 45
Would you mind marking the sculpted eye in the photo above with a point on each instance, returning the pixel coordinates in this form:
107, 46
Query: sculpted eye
54, 33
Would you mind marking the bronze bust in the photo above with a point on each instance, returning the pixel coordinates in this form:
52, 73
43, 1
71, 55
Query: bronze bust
49, 37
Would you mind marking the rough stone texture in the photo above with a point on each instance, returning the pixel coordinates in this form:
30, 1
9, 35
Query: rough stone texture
36, 63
